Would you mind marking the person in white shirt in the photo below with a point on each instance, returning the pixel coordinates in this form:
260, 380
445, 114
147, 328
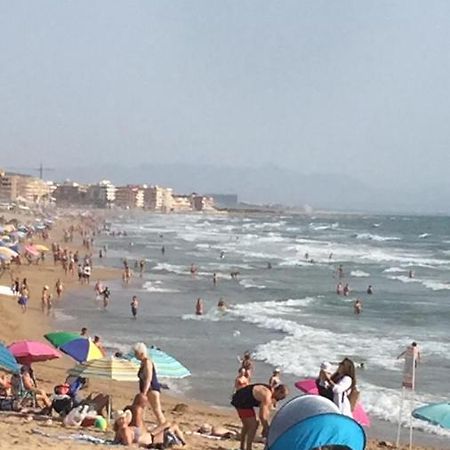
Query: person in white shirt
343, 383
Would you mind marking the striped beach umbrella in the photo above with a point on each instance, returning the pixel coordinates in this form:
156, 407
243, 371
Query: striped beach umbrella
81, 349
166, 366
108, 368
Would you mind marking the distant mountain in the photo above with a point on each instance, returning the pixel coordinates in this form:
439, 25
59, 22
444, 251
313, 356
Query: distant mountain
271, 184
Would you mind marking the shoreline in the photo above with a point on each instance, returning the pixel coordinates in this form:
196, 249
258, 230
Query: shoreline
34, 325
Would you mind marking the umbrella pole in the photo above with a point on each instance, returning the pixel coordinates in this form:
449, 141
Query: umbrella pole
400, 416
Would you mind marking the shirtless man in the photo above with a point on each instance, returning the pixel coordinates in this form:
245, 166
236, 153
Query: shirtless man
256, 396
199, 307
357, 307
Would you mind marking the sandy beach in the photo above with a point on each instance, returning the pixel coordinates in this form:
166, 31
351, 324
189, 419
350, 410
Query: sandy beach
26, 432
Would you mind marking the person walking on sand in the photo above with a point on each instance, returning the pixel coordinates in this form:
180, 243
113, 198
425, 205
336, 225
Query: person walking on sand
253, 396
134, 307
148, 381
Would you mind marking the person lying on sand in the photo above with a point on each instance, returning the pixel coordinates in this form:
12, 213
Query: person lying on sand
164, 436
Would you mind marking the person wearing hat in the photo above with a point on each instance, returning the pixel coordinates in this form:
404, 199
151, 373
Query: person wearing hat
275, 379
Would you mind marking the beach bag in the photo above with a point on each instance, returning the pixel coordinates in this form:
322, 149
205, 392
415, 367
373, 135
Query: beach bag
353, 397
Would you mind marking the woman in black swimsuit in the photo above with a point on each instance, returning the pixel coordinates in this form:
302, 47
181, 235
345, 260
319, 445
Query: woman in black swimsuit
148, 381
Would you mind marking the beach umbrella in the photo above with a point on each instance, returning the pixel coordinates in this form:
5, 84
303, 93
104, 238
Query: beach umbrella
41, 248
436, 413
6, 290
7, 252
108, 368
28, 352
310, 421
58, 338
166, 366
9, 228
308, 386
81, 349
7, 360
32, 250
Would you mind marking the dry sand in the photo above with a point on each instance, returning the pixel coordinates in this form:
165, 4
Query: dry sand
24, 433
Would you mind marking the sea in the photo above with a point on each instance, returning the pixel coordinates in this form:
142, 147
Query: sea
288, 316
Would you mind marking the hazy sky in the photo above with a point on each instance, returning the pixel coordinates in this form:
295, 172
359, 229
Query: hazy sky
320, 86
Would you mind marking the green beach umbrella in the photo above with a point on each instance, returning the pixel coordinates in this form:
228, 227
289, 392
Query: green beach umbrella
59, 338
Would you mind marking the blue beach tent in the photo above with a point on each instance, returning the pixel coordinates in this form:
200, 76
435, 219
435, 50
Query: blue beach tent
309, 422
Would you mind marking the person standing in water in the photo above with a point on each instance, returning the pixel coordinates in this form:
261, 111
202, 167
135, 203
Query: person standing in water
370, 289
357, 307
199, 307
134, 306
163, 250
214, 279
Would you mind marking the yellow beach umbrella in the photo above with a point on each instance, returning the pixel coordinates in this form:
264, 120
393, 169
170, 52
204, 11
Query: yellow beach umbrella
41, 248
7, 252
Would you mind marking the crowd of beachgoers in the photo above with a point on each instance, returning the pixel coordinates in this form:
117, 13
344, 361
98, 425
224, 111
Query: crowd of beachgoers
67, 247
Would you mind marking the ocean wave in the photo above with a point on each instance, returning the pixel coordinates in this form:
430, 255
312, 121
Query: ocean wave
376, 237
394, 270
304, 348
359, 274
149, 286
323, 226
424, 235
430, 284
250, 284
171, 268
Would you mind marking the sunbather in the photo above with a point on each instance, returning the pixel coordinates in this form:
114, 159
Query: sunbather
163, 436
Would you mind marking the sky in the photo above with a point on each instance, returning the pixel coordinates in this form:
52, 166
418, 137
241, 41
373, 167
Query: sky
356, 88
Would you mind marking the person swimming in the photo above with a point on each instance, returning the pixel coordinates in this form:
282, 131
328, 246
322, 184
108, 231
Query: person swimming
370, 289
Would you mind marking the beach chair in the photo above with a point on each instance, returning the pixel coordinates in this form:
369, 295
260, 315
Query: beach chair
24, 397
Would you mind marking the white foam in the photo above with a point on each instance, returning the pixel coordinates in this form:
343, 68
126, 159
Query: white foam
323, 226
394, 270
424, 235
172, 268
249, 284
430, 284
376, 237
359, 274
149, 286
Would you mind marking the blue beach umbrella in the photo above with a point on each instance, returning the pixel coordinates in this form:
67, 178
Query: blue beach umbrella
310, 422
7, 360
81, 350
435, 413
166, 366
